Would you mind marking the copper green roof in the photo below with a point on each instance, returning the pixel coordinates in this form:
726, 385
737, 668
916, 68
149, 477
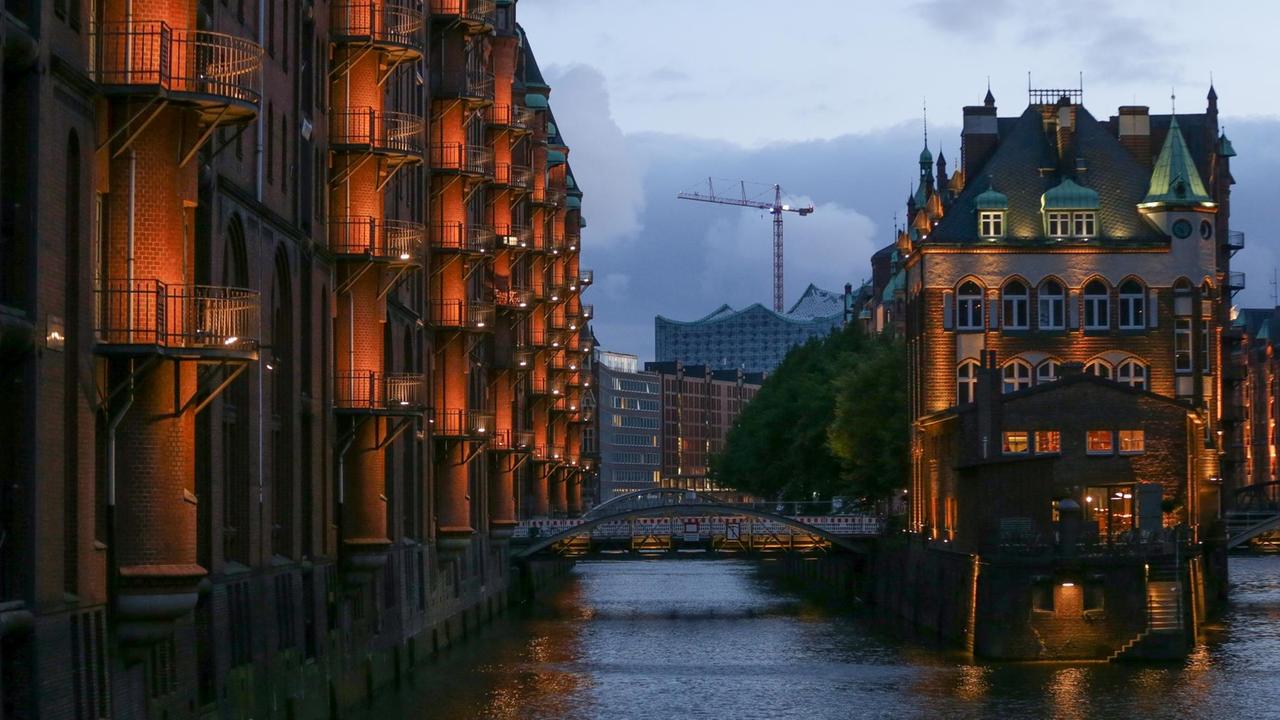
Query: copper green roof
573, 202
1175, 180
1224, 147
1067, 195
926, 156
536, 101
991, 199
556, 157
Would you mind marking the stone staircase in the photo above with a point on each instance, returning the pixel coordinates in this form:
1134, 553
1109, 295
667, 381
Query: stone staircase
1164, 611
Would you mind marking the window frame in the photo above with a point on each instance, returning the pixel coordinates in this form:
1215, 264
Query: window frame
1017, 383
969, 382
1057, 303
1013, 435
1183, 352
1046, 378
1130, 364
1091, 435
1100, 363
1041, 446
1058, 223
991, 223
1133, 306
1097, 306
1015, 305
969, 307
1139, 435
1084, 224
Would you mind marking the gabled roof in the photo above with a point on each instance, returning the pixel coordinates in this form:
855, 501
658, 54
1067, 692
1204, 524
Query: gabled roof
1175, 179
816, 302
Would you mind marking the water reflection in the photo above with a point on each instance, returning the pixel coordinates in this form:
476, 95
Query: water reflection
694, 639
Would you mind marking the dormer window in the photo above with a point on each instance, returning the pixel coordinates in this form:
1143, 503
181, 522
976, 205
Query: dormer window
1059, 224
991, 223
1085, 224
1070, 210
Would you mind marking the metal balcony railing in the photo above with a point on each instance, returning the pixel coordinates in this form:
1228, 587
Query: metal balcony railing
381, 131
1235, 240
586, 277
516, 117
473, 11
1235, 282
458, 314
538, 385
514, 236
396, 240
380, 23
151, 54
372, 390
457, 157
549, 196
564, 361
586, 311
523, 439
510, 296
459, 237
553, 244
150, 312
456, 423
555, 452
474, 85
516, 176
522, 359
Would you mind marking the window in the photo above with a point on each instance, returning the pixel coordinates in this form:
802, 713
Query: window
991, 223
1182, 345
1132, 373
969, 307
1133, 303
1015, 306
1097, 306
1101, 368
1132, 442
966, 381
1052, 315
1205, 357
1059, 224
1017, 376
1099, 442
1085, 224
1048, 442
1047, 372
1015, 443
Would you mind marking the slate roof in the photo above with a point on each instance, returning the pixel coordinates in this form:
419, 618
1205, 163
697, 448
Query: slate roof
1120, 180
1175, 178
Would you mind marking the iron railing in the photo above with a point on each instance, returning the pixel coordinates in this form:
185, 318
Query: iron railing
475, 160
150, 312
479, 11
511, 296
473, 84
460, 237
377, 130
459, 314
514, 236
363, 235
452, 422
510, 175
516, 117
586, 277
380, 22
150, 53
548, 196
586, 311
1235, 240
372, 390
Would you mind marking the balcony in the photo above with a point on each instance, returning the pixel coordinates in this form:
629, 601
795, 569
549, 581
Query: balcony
149, 316
392, 28
523, 359
395, 135
583, 346
586, 312
1235, 282
462, 424
564, 361
519, 177
512, 117
586, 277
213, 72
517, 237
474, 316
509, 296
553, 245
379, 393
395, 241
462, 238
462, 159
473, 14
549, 197
474, 86
1235, 242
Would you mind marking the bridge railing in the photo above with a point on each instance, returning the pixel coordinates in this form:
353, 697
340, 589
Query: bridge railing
706, 527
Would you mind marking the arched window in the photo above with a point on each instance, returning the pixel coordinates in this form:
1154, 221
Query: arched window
1017, 375
1133, 303
1047, 372
966, 381
969, 307
1132, 373
1052, 315
1014, 313
1097, 306
1101, 368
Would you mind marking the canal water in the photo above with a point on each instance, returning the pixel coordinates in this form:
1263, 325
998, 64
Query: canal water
688, 639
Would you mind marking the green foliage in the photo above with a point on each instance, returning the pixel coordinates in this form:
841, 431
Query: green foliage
830, 420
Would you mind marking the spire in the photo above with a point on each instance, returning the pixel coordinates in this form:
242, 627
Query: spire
989, 100
1175, 179
1212, 97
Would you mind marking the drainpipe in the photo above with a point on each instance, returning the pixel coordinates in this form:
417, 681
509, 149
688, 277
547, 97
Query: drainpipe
257, 147
132, 225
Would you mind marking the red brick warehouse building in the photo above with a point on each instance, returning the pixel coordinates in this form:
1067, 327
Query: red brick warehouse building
291, 336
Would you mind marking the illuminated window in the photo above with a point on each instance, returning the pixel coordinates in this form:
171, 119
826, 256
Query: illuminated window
1101, 368
1097, 306
969, 307
966, 381
1017, 376
991, 223
1059, 224
1015, 443
1133, 374
1182, 344
1205, 356
1132, 442
1015, 306
1085, 224
1048, 442
1099, 442
1047, 372
1051, 306
1133, 302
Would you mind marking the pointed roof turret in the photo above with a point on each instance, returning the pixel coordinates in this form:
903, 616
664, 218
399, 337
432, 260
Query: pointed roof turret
989, 100
1224, 146
1175, 179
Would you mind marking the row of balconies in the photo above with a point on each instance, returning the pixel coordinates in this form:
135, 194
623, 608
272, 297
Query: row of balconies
401, 240
475, 14
391, 27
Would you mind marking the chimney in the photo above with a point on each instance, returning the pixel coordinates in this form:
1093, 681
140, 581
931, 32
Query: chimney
987, 399
979, 137
1135, 132
1066, 134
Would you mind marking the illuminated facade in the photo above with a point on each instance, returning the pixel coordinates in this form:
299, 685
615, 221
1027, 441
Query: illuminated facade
291, 322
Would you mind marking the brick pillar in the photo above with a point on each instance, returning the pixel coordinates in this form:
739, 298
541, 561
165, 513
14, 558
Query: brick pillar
557, 498
364, 511
573, 480
538, 506
502, 500
453, 506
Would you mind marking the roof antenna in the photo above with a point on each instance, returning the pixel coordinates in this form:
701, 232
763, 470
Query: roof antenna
924, 106
1173, 101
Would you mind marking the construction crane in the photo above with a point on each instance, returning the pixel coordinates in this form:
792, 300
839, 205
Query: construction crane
775, 208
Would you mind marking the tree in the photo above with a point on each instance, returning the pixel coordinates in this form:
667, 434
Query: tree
868, 432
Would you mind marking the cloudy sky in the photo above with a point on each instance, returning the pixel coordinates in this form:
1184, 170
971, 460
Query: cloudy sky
825, 97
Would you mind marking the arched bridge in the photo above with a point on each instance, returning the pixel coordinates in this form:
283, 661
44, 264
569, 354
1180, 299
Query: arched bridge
1256, 515
671, 518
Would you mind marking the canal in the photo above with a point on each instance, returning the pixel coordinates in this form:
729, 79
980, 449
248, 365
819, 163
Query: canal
712, 639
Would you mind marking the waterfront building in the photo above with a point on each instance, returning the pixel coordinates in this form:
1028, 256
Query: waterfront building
699, 407
291, 333
1066, 240
1256, 364
753, 339
630, 425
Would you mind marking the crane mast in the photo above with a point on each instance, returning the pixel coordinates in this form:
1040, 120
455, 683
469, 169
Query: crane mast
775, 208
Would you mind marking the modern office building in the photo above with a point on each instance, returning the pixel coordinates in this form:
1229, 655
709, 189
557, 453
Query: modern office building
291, 335
630, 425
753, 339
